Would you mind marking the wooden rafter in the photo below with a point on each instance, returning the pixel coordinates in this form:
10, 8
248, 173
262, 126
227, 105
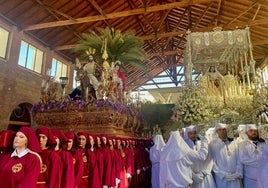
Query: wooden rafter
181, 33
257, 11
51, 11
218, 11
177, 24
244, 12
99, 9
116, 14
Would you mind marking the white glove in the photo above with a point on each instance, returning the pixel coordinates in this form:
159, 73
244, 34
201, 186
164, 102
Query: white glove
205, 172
198, 177
231, 176
129, 175
105, 186
138, 171
117, 181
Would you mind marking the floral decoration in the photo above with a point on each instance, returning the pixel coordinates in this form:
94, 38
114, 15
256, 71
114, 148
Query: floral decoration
81, 105
191, 107
59, 106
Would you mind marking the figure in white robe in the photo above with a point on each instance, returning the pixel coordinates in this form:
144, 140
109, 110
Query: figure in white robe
263, 169
241, 129
176, 160
210, 134
89, 67
250, 151
202, 177
155, 159
227, 170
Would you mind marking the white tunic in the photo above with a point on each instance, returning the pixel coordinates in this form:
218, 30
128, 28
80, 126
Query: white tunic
176, 160
155, 159
262, 178
249, 156
225, 164
202, 177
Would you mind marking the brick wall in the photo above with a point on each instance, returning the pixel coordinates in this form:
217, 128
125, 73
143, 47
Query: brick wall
17, 84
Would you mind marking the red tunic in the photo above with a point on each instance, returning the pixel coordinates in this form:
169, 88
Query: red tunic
120, 168
109, 167
51, 171
100, 165
19, 172
78, 166
84, 183
67, 179
94, 180
129, 161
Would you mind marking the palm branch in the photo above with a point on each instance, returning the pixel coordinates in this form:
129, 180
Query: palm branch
125, 47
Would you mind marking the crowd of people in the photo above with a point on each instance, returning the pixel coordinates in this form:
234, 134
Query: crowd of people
50, 158
210, 161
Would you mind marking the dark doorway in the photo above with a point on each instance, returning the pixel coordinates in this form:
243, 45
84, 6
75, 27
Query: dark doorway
20, 116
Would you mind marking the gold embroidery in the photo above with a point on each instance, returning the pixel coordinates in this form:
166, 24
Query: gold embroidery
16, 167
44, 168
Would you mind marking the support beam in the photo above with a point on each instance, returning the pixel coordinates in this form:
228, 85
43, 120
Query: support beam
180, 33
121, 14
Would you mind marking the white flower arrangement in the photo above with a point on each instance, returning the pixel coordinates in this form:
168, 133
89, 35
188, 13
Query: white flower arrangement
191, 107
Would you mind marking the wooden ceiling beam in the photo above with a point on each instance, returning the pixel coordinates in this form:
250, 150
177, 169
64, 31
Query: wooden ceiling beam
218, 11
241, 14
260, 42
257, 11
181, 33
99, 9
51, 11
120, 14
175, 28
166, 53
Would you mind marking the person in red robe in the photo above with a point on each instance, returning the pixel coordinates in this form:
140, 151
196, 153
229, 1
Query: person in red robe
83, 148
111, 160
6, 141
129, 160
122, 76
21, 168
51, 170
67, 178
108, 178
121, 164
77, 157
99, 158
94, 180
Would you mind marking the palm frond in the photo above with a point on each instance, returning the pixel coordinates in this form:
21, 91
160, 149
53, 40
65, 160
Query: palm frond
125, 47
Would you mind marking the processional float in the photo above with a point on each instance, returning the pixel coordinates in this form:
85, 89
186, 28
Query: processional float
110, 112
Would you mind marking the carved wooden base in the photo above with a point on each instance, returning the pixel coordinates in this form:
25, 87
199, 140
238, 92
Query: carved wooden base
107, 122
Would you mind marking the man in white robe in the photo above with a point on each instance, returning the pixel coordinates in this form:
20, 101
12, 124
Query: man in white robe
210, 134
202, 177
262, 178
227, 170
176, 159
241, 130
250, 152
155, 159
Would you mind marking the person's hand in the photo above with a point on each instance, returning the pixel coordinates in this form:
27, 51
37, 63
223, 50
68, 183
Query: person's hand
138, 171
129, 175
231, 176
117, 181
198, 177
205, 172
